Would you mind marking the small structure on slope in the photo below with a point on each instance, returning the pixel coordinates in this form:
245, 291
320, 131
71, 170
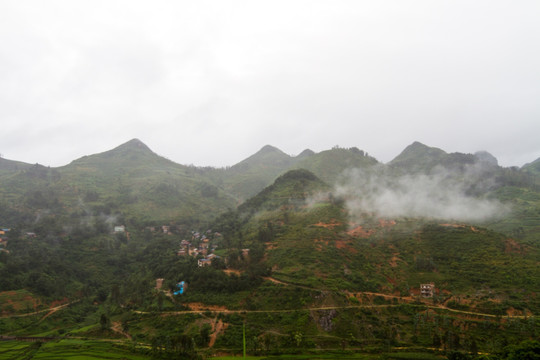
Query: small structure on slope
427, 290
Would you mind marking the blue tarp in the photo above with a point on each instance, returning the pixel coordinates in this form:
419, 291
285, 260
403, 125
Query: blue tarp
180, 287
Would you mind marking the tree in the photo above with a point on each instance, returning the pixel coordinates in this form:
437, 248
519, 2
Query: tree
527, 350
105, 322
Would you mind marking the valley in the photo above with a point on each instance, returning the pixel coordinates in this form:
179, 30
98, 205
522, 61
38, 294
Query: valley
322, 255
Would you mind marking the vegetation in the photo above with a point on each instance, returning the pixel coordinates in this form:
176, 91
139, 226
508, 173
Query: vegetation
291, 267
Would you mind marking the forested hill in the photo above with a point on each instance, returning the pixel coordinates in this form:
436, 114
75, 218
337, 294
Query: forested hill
136, 185
533, 167
314, 261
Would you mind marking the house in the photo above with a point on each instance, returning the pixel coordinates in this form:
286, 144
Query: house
426, 290
119, 229
185, 243
204, 262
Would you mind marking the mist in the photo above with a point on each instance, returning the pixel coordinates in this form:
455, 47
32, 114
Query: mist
441, 194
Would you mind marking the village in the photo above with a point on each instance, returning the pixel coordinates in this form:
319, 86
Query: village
201, 244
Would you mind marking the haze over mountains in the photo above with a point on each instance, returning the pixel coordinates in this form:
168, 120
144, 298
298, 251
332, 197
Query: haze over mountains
416, 149
421, 181
318, 234
149, 175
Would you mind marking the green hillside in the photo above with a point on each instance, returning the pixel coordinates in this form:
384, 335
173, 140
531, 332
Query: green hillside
134, 180
311, 241
294, 265
329, 165
533, 167
130, 182
418, 157
10, 166
251, 175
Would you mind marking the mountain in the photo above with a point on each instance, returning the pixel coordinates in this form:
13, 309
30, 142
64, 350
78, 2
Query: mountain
418, 156
130, 179
299, 266
306, 153
329, 165
293, 187
302, 223
372, 269
533, 167
251, 175
131, 152
10, 166
487, 158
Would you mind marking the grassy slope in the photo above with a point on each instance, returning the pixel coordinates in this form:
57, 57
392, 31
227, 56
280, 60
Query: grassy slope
313, 244
329, 165
67, 349
251, 175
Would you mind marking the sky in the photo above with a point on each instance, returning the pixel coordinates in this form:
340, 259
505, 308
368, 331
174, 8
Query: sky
209, 83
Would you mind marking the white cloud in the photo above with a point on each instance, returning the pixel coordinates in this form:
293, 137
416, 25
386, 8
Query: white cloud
437, 195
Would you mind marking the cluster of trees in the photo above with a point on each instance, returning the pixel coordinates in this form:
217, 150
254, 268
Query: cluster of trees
179, 346
526, 350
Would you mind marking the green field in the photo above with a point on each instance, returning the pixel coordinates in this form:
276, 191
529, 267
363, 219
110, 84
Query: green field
94, 349
67, 349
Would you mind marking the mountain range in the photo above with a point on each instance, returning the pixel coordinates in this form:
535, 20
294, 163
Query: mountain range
133, 180
326, 250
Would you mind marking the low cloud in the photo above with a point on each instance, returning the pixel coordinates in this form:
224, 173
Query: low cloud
437, 195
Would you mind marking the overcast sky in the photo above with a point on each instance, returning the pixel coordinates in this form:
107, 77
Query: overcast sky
211, 82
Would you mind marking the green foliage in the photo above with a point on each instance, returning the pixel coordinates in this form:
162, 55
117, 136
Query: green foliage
527, 350
311, 279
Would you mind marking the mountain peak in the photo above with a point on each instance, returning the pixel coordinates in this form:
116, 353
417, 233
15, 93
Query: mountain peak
134, 144
132, 151
269, 149
418, 156
419, 150
486, 158
418, 146
305, 153
267, 153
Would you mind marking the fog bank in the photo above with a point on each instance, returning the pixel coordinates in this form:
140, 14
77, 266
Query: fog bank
438, 195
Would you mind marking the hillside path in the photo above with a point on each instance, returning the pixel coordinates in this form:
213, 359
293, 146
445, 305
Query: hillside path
49, 311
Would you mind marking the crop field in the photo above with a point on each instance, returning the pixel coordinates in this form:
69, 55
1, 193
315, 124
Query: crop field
75, 349
66, 349
344, 356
